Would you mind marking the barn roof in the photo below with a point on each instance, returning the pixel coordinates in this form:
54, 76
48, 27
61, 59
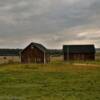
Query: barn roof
10, 52
39, 46
79, 48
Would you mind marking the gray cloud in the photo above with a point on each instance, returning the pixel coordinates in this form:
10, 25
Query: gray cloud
51, 22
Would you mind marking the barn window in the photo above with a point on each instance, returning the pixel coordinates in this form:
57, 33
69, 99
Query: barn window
32, 47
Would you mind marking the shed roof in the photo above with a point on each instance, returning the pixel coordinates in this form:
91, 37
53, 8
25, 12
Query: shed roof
39, 46
79, 48
10, 52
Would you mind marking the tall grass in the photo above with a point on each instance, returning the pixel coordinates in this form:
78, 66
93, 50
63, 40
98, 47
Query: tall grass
53, 81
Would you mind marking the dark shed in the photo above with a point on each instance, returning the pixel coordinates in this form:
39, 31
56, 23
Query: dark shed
35, 53
79, 52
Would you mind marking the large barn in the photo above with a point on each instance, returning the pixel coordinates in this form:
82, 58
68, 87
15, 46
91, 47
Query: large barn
9, 55
79, 52
35, 53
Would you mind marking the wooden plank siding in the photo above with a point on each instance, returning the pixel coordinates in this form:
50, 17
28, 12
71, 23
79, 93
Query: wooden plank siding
34, 55
79, 52
79, 56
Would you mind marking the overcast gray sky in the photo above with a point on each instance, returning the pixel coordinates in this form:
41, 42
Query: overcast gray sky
50, 22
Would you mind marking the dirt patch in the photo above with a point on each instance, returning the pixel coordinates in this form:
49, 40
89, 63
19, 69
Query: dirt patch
86, 66
78, 64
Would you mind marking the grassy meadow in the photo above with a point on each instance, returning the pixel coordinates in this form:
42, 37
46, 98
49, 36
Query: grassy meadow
54, 81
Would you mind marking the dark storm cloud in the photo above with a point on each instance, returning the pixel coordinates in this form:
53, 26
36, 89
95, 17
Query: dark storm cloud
51, 22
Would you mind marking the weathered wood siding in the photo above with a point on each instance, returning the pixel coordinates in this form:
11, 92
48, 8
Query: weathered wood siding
80, 56
33, 55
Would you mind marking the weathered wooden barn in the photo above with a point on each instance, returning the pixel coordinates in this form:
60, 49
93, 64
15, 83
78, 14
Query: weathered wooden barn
10, 55
35, 53
79, 52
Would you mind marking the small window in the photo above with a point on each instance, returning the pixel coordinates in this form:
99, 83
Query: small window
32, 47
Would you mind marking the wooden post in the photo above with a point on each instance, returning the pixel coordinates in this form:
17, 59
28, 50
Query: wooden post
44, 58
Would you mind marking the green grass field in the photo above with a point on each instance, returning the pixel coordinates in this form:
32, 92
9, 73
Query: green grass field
54, 81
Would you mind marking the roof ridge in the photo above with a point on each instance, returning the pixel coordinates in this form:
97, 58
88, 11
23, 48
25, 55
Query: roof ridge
40, 46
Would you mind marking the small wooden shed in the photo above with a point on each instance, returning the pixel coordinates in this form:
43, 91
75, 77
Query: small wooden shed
35, 53
79, 52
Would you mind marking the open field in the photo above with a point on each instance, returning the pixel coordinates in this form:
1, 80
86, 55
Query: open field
98, 55
54, 81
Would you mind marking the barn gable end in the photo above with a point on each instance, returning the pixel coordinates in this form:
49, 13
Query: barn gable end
35, 53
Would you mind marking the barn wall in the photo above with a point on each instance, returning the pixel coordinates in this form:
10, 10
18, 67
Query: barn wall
79, 56
35, 55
